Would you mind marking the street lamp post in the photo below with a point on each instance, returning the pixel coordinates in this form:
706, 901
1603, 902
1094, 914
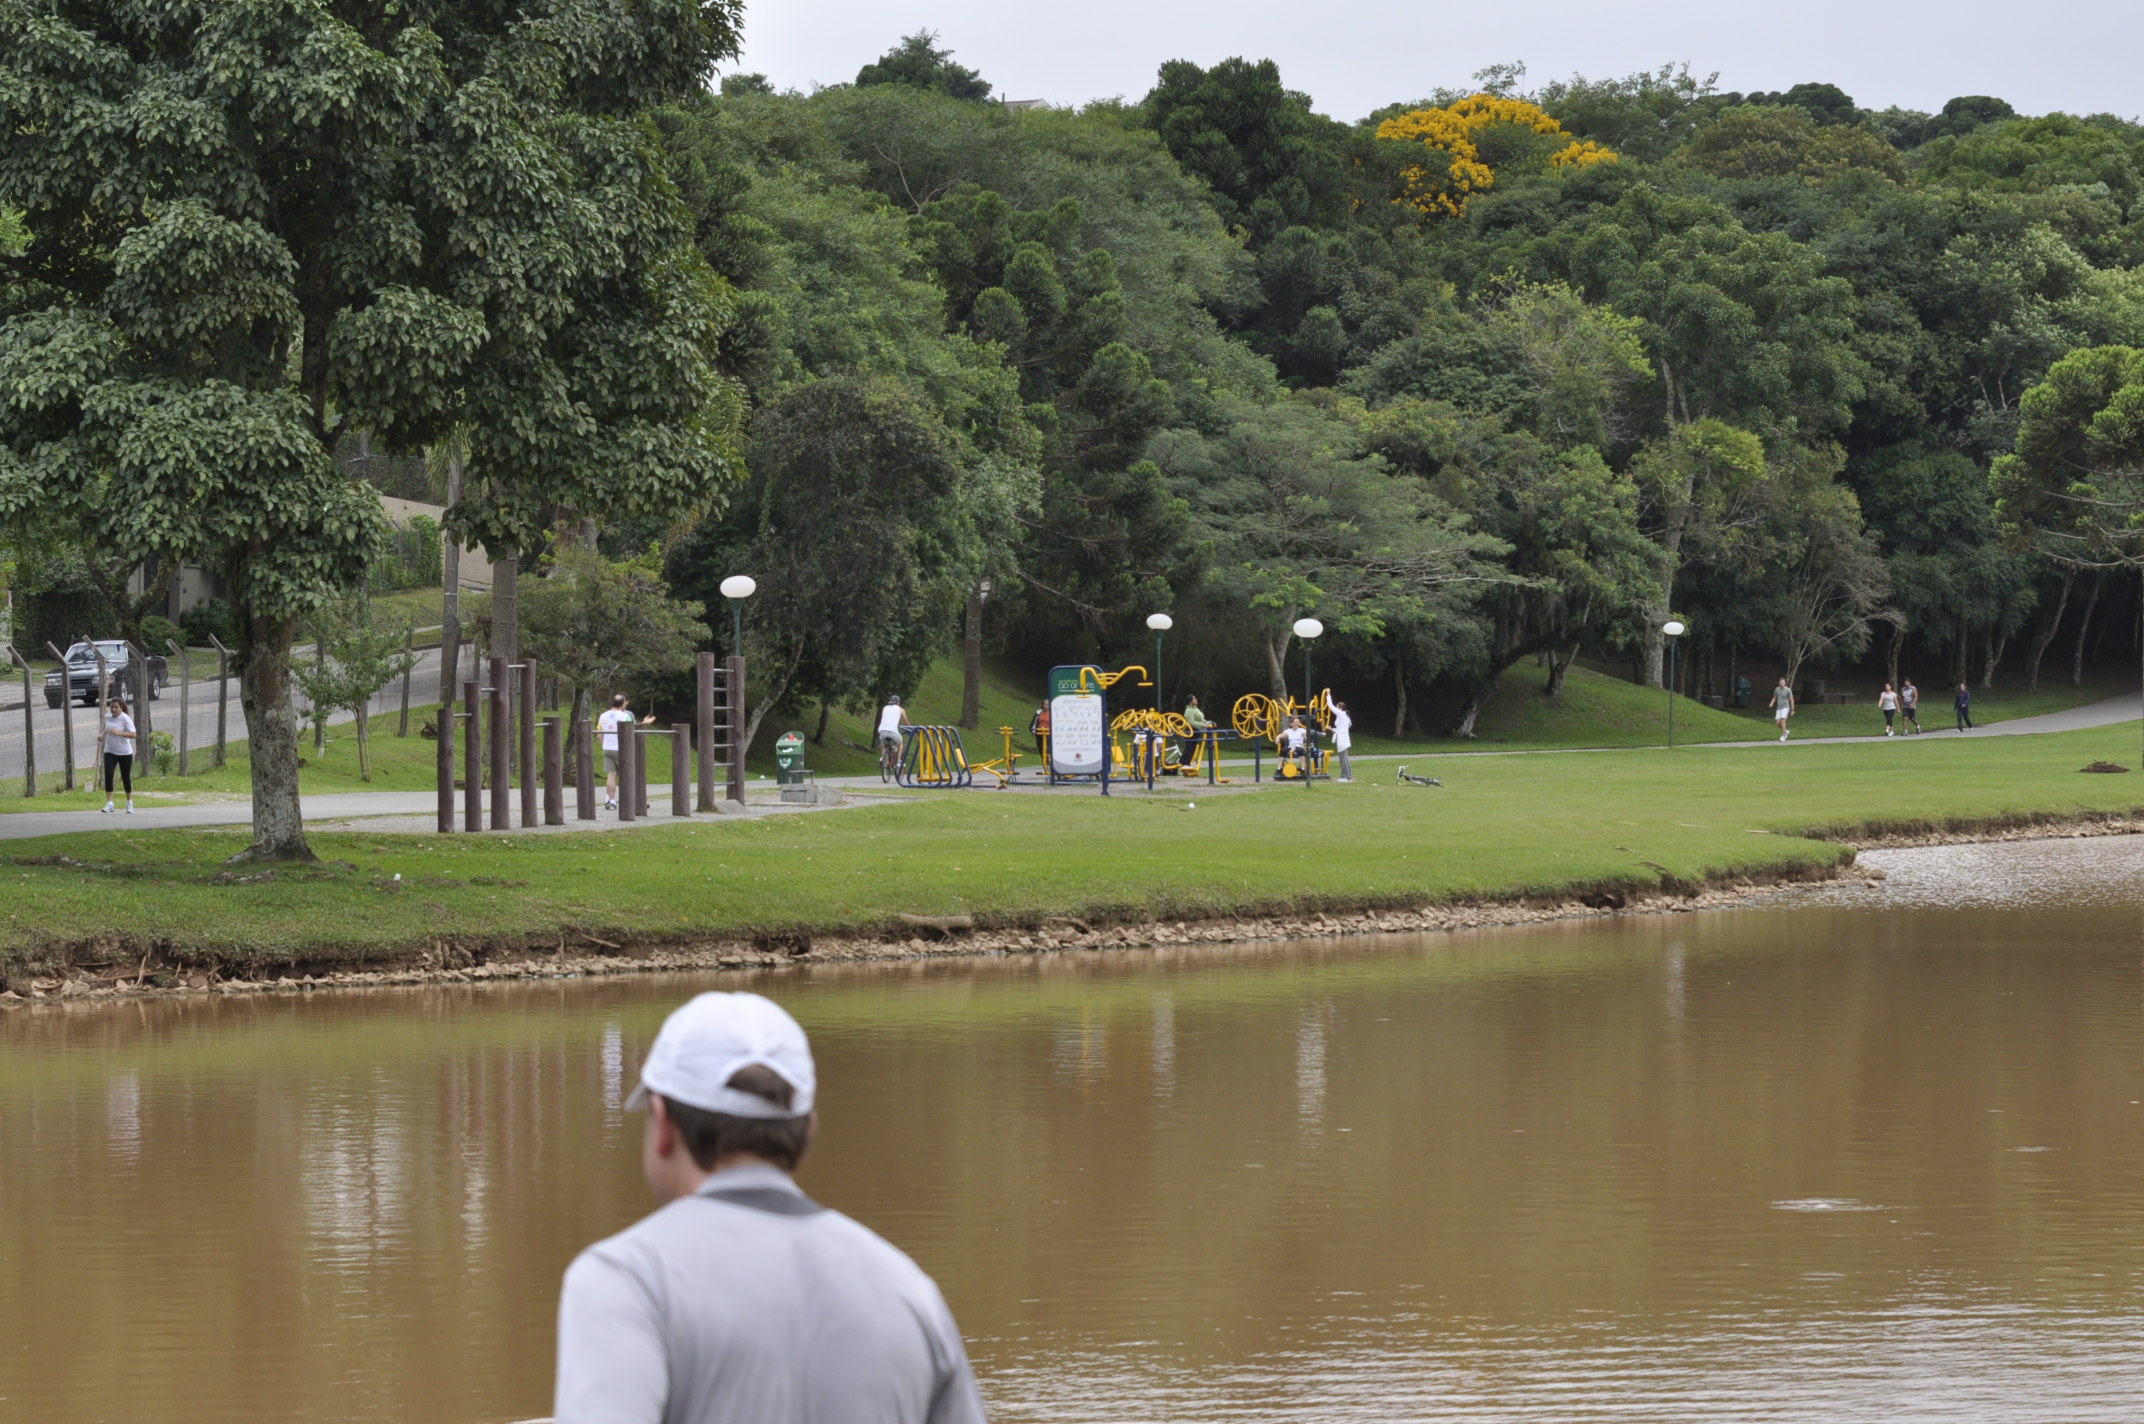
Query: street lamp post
1308, 629
1674, 629
1160, 623
737, 588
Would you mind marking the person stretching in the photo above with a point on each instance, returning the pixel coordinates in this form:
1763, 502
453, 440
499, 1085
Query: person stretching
118, 751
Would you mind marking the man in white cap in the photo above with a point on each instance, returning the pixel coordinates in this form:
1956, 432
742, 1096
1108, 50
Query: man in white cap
743, 1301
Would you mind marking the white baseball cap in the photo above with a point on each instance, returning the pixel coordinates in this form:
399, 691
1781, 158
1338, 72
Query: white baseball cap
708, 1038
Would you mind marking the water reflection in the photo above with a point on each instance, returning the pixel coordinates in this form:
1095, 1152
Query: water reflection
1873, 1155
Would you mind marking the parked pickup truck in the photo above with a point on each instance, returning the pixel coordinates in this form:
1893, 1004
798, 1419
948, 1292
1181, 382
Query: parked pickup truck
81, 674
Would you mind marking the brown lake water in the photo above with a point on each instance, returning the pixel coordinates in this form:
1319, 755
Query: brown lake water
1858, 1155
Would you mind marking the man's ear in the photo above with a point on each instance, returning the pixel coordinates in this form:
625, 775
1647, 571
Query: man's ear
666, 1134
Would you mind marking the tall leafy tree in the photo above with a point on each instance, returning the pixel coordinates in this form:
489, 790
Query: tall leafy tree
920, 62
256, 226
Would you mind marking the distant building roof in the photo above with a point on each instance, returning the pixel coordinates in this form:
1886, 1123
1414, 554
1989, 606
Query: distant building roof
1025, 103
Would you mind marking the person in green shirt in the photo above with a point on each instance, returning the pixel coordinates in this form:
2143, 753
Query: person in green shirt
1195, 718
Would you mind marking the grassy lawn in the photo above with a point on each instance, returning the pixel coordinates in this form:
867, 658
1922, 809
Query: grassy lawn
418, 607
1500, 825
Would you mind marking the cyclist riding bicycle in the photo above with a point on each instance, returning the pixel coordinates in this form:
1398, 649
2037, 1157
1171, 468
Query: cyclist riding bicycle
890, 718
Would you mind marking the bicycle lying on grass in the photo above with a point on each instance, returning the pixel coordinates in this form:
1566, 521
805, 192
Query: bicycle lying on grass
1407, 776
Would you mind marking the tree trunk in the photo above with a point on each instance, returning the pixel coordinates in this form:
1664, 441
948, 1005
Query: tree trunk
826, 710
450, 630
1399, 692
264, 654
971, 671
2084, 628
364, 740
2049, 626
1996, 645
1276, 650
1892, 654
775, 693
1471, 712
1558, 668
506, 608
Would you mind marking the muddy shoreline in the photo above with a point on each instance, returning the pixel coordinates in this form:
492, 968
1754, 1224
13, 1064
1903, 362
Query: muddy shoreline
582, 956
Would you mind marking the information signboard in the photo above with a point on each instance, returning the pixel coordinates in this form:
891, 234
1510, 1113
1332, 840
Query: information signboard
1079, 740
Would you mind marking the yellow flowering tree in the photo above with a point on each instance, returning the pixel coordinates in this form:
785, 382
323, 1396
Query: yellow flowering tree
1469, 140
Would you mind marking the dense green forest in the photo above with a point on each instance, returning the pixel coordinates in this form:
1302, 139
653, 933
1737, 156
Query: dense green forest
1489, 377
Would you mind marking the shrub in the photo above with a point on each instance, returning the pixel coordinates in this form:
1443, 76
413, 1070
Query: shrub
166, 752
158, 633
205, 620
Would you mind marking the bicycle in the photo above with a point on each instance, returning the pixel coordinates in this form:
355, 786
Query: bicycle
889, 759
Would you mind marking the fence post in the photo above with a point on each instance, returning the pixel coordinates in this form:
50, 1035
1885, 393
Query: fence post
735, 694
186, 690
584, 770
29, 723
704, 709
144, 723
681, 769
554, 771
409, 665
104, 697
446, 769
530, 815
628, 757
320, 724
223, 693
472, 758
66, 714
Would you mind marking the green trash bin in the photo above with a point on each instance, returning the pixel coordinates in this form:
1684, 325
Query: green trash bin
789, 759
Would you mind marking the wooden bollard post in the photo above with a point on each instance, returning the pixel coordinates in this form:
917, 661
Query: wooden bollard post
554, 771
681, 769
223, 697
502, 728
527, 725
640, 772
186, 697
737, 720
446, 770
704, 709
472, 758
66, 713
628, 755
584, 770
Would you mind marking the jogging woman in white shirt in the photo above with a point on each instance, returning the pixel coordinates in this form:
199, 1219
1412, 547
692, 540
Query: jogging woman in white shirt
1887, 700
118, 751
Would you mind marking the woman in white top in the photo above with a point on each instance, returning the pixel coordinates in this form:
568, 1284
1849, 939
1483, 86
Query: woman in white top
1343, 738
1888, 701
118, 751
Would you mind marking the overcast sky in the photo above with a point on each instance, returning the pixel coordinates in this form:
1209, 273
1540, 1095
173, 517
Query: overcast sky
1352, 56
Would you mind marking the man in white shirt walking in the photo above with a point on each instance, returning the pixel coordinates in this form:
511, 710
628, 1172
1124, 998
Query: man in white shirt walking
618, 716
741, 1300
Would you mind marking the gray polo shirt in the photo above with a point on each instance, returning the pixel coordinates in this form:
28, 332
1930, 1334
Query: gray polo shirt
749, 1304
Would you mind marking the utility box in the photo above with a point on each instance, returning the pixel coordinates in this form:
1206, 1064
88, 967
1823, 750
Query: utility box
789, 760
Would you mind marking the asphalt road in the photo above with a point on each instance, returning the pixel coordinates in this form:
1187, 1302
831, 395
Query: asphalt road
164, 715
